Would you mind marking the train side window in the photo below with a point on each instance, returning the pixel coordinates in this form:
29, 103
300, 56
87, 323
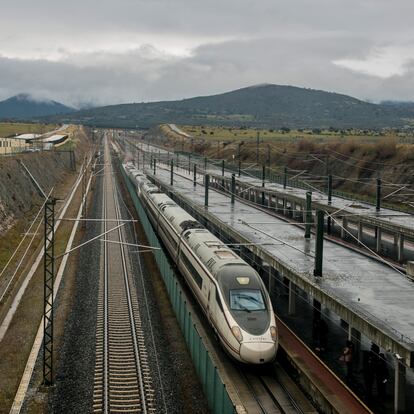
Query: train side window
197, 278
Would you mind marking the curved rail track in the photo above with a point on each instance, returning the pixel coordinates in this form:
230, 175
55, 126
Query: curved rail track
123, 382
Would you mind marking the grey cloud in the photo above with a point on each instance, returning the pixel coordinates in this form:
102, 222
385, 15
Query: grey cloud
111, 52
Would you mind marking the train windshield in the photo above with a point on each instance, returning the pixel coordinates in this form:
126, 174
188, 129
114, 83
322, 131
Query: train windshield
247, 300
245, 296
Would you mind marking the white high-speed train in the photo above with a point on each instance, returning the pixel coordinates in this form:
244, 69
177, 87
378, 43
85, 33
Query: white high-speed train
230, 292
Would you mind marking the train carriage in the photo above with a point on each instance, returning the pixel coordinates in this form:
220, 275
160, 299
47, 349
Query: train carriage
229, 291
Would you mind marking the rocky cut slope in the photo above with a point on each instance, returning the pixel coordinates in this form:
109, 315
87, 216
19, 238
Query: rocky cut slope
18, 194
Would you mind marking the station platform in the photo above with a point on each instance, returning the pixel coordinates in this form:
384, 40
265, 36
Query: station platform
374, 300
339, 397
388, 232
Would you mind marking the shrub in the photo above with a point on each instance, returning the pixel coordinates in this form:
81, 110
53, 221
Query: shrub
386, 147
305, 145
348, 147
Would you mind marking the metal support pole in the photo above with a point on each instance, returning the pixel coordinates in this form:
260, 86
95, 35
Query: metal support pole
399, 386
151, 162
263, 183
195, 175
84, 195
330, 189
206, 185
222, 173
329, 220
49, 272
239, 168
205, 164
268, 155
308, 214
154, 163
172, 173
319, 243
284, 177
257, 147
73, 157
189, 163
292, 298
378, 201
233, 187
317, 308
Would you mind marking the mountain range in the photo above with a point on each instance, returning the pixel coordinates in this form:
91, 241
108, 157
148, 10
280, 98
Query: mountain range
262, 106
23, 106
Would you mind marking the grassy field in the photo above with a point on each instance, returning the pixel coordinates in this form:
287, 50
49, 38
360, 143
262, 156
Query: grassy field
12, 128
214, 133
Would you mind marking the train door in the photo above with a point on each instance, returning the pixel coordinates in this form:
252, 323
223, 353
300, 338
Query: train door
216, 314
214, 308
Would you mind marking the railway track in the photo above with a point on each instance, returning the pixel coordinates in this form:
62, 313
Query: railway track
123, 381
270, 395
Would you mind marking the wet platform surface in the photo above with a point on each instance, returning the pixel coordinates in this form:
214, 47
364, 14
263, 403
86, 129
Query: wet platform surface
390, 217
354, 207
371, 289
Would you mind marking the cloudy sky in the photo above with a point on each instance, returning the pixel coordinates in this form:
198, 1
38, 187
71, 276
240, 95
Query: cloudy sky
112, 51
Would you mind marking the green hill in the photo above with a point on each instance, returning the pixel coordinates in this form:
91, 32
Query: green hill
270, 106
23, 106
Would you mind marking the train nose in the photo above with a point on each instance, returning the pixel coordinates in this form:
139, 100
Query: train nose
257, 352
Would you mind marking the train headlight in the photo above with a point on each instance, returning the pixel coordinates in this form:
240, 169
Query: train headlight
273, 333
237, 333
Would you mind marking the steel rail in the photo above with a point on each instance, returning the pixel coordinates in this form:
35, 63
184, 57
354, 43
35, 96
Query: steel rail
130, 309
105, 326
123, 381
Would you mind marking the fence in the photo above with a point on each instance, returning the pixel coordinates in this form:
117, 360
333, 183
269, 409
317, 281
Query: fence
214, 389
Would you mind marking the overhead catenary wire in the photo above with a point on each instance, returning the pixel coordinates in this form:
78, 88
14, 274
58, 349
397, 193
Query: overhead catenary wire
329, 215
381, 259
151, 249
371, 214
20, 262
23, 238
332, 213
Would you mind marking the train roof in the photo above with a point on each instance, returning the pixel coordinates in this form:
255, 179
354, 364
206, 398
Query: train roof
180, 219
212, 251
161, 200
150, 188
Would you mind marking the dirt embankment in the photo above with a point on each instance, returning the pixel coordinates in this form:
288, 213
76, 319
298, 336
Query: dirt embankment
354, 164
18, 194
